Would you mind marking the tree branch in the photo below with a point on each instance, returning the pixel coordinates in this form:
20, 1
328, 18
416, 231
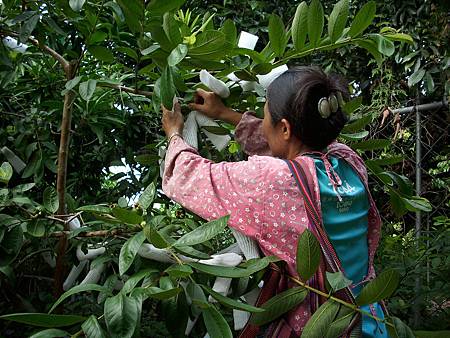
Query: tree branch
126, 89
99, 233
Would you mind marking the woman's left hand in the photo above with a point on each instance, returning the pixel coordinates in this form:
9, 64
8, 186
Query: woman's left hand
172, 120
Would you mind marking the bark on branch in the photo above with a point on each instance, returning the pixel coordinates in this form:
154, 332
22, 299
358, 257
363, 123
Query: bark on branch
99, 233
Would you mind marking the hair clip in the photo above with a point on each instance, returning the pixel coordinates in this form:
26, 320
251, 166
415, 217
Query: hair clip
324, 107
333, 103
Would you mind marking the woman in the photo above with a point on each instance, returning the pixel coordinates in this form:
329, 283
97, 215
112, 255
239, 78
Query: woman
302, 117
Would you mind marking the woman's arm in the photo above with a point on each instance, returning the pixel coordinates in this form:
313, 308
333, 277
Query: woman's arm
250, 136
212, 190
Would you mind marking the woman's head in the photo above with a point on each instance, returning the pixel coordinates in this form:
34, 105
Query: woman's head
292, 100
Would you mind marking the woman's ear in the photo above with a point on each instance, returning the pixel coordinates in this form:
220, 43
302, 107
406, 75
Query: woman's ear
286, 130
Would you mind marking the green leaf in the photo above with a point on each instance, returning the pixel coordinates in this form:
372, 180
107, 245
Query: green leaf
76, 5
147, 197
358, 124
340, 323
191, 252
415, 203
121, 315
74, 290
158, 7
388, 160
116, 9
416, 77
338, 20
319, 323
384, 46
372, 48
36, 227
50, 333
127, 216
43, 319
177, 55
352, 105
87, 89
134, 14
28, 27
215, 324
229, 29
73, 83
172, 29
210, 45
308, 255
101, 53
373, 144
429, 82
150, 49
92, 328
278, 305
11, 245
400, 37
233, 272
231, 303
97, 209
129, 251
50, 200
179, 271
167, 88
131, 282
6, 172
315, 22
157, 293
380, 288
355, 136
401, 330
363, 19
277, 35
337, 280
154, 237
300, 26
204, 233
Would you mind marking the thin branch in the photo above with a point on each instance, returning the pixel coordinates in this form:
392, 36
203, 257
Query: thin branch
340, 301
13, 114
126, 89
99, 233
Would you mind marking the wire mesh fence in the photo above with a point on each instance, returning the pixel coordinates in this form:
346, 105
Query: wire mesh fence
421, 136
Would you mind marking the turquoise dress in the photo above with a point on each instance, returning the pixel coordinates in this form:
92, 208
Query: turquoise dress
345, 222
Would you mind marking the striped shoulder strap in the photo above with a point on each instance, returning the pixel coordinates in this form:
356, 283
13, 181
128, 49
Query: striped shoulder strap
315, 221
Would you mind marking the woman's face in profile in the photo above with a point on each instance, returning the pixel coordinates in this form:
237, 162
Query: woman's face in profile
273, 134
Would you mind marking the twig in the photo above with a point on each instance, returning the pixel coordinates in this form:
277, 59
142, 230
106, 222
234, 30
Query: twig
99, 233
126, 89
39, 277
340, 301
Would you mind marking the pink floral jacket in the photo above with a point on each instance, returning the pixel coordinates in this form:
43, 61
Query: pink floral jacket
260, 194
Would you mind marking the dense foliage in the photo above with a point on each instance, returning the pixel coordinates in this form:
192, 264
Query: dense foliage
84, 97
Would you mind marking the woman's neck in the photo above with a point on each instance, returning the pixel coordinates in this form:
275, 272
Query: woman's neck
296, 149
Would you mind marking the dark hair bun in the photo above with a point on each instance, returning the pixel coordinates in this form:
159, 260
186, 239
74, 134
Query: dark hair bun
295, 95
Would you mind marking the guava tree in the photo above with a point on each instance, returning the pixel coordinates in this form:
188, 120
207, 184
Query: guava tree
82, 84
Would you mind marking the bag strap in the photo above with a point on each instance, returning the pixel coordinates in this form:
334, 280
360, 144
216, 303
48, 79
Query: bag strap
315, 221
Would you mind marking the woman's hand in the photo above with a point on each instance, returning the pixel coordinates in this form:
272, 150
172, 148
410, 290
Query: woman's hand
211, 105
172, 120
208, 104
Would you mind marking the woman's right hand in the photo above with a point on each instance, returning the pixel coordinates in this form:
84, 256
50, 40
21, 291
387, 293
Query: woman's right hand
211, 105
208, 104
